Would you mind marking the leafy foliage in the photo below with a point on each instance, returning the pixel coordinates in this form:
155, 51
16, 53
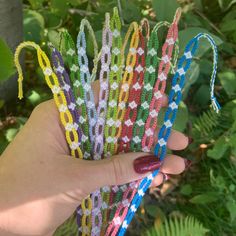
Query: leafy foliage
178, 227
6, 58
207, 190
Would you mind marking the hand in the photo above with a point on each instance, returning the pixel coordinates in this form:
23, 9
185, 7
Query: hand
41, 185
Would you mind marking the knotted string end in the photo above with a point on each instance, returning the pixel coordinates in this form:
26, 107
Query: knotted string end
215, 104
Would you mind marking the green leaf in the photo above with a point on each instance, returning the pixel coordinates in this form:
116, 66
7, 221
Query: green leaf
74, 2
7, 68
192, 77
187, 34
228, 26
54, 38
184, 226
219, 149
3, 143
204, 198
11, 133
226, 4
130, 11
202, 96
231, 207
34, 98
2, 102
51, 20
232, 140
59, 8
33, 26
186, 189
35, 4
165, 9
181, 118
228, 81
154, 211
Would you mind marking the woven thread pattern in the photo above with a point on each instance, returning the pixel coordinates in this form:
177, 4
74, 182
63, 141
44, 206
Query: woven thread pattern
160, 86
130, 97
52, 81
116, 192
115, 78
101, 113
146, 94
130, 192
78, 91
175, 96
86, 79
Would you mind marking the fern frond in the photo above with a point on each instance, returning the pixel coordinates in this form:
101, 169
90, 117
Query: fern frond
178, 227
204, 126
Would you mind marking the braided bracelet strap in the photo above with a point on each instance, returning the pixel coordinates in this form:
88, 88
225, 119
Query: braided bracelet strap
160, 86
78, 91
104, 88
86, 79
64, 81
127, 77
116, 192
130, 114
175, 96
131, 191
59, 97
135, 91
101, 113
148, 83
85, 76
115, 77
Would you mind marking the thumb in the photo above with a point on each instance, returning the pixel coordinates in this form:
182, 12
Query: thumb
117, 170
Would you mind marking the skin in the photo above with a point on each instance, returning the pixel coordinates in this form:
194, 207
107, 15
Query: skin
41, 185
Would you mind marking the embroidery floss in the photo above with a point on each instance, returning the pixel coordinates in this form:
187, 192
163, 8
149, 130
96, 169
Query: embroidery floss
115, 77
175, 96
122, 210
78, 91
146, 94
131, 111
135, 91
101, 113
86, 79
64, 81
160, 86
58, 95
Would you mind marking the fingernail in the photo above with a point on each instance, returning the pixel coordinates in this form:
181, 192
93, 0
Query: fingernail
188, 163
165, 177
146, 164
190, 140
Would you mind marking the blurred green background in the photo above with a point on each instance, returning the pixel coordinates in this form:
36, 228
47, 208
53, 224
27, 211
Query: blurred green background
201, 201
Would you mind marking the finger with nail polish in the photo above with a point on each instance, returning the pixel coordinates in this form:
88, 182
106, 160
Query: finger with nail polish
146, 164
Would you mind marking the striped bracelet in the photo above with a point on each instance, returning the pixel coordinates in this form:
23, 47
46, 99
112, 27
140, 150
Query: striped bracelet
101, 113
174, 99
78, 91
160, 86
86, 79
115, 77
131, 191
116, 192
59, 97
148, 83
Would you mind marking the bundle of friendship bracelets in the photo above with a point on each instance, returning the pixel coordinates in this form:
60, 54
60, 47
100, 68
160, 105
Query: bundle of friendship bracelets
133, 73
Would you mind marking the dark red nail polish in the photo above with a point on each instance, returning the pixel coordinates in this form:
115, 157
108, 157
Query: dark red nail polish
145, 164
188, 163
190, 140
165, 177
